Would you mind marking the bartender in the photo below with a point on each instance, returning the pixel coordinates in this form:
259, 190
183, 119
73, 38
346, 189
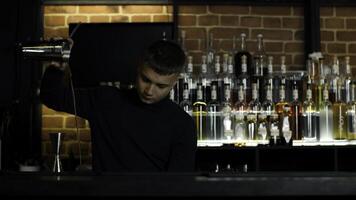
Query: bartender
135, 130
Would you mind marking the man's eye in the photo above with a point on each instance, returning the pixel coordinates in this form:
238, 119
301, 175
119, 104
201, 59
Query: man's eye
145, 79
161, 86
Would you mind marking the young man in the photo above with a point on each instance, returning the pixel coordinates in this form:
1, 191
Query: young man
137, 130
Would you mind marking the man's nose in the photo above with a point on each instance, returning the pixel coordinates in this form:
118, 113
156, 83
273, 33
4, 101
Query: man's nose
149, 89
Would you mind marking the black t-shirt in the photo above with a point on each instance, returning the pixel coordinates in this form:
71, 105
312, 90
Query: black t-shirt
127, 134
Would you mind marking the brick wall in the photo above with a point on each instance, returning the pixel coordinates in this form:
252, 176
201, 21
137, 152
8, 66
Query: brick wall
282, 28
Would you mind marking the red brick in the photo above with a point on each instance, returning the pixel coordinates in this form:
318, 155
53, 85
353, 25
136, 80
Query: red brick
299, 59
334, 23
141, 18
230, 20
191, 9
48, 111
322, 47
119, 18
273, 34
55, 32
195, 33
251, 21
352, 48
99, 19
208, 20
273, 46
295, 23
77, 19
54, 20
326, 35
336, 48
299, 35
60, 9
298, 11
294, 47
326, 11
192, 44
70, 122
231, 9
346, 35
271, 22
98, 9
272, 10
162, 18
345, 11
141, 9
227, 33
187, 20
351, 23
52, 122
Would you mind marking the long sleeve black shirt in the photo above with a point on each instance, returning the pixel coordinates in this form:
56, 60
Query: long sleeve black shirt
127, 134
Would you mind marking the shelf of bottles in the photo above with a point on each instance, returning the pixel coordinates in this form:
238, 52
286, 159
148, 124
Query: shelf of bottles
237, 99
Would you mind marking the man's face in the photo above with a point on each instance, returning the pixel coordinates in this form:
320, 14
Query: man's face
153, 87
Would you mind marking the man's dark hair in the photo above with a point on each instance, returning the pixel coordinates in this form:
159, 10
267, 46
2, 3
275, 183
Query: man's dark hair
165, 57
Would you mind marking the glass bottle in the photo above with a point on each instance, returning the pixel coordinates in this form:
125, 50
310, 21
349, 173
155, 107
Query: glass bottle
347, 79
214, 114
268, 108
339, 115
204, 78
310, 120
351, 114
240, 110
227, 118
186, 104
199, 114
238, 56
334, 79
296, 112
326, 117
254, 109
244, 78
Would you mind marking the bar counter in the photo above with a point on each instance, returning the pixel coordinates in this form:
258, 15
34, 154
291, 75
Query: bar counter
178, 185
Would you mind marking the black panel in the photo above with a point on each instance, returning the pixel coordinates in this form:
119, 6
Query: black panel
104, 52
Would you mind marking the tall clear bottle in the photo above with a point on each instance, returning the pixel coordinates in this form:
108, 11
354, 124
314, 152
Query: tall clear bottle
238, 56
240, 110
347, 80
333, 79
268, 109
260, 65
200, 113
214, 131
204, 78
310, 119
252, 116
339, 115
186, 104
326, 117
296, 109
244, 79
351, 114
227, 117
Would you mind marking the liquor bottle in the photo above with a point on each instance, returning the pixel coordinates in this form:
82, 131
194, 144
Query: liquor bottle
254, 109
217, 77
204, 78
333, 79
351, 114
339, 115
210, 51
240, 108
269, 82
227, 117
260, 58
347, 79
231, 78
238, 56
268, 108
199, 114
283, 80
282, 110
296, 109
260, 65
214, 116
326, 117
244, 78
310, 120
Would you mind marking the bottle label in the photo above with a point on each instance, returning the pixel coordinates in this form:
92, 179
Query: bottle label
213, 94
269, 95
309, 94
241, 95
199, 94
282, 94
295, 94
190, 68
325, 94
204, 68
217, 68
244, 68
186, 94
230, 69
227, 94
254, 94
